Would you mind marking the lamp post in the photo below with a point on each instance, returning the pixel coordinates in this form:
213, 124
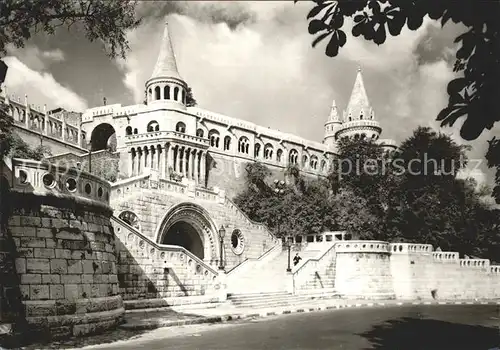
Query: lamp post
279, 190
222, 233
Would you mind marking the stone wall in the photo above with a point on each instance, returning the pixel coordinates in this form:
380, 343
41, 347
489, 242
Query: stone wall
63, 248
369, 269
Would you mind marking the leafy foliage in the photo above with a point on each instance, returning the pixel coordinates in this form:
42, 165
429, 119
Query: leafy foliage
190, 100
474, 94
376, 195
18, 148
107, 20
6, 123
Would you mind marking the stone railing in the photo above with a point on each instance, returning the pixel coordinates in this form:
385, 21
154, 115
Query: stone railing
362, 247
44, 178
125, 187
155, 135
405, 248
303, 272
250, 262
228, 203
356, 123
160, 256
478, 263
445, 256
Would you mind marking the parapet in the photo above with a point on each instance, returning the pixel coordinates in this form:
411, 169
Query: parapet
44, 178
362, 247
405, 248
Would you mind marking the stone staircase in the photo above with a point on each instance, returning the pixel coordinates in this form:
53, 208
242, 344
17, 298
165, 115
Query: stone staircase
271, 299
270, 277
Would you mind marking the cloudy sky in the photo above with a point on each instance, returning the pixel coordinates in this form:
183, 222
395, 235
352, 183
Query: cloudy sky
250, 60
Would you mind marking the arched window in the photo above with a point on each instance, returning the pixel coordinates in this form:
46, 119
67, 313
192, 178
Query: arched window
180, 127
356, 136
361, 116
153, 126
304, 161
323, 166
256, 150
199, 132
128, 130
176, 93
157, 93
292, 157
243, 144
213, 135
227, 143
183, 96
363, 136
150, 94
279, 155
268, 151
135, 131
130, 218
314, 162
166, 92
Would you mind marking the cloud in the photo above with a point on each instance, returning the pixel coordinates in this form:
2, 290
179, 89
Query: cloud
41, 87
35, 58
254, 61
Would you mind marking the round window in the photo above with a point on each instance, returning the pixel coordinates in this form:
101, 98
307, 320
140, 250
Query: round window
71, 184
88, 189
237, 242
49, 180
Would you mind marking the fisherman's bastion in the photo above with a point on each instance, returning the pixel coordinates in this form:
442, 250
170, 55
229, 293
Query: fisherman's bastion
77, 251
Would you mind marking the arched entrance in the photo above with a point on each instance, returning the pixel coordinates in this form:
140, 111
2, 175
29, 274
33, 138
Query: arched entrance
184, 234
103, 137
189, 225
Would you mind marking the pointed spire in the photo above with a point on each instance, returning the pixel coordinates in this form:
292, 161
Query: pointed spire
334, 114
166, 66
358, 103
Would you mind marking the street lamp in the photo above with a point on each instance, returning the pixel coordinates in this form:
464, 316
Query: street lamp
279, 190
222, 233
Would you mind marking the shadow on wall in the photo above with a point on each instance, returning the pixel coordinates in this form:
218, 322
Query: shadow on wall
418, 334
145, 279
12, 309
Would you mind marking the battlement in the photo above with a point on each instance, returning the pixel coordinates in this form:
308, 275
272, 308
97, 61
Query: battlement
57, 124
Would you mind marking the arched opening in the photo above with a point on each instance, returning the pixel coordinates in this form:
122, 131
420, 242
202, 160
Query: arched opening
180, 127
166, 92
185, 235
103, 137
128, 130
227, 143
199, 133
176, 93
157, 93
153, 126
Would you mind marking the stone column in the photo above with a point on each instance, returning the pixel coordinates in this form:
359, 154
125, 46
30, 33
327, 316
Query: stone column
26, 112
194, 168
178, 160
146, 156
63, 133
202, 168
152, 157
187, 160
131, 163
138, 162
46, 120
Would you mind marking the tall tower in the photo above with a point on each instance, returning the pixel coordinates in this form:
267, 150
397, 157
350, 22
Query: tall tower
359, 117
332, 125
166, 84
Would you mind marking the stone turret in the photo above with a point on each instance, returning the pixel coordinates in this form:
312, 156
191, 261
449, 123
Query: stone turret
359, 117
166, 84
332, 125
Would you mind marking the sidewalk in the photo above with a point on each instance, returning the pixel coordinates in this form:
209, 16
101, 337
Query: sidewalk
179, 316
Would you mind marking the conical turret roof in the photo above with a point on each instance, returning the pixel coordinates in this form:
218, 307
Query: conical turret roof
358, 103
334, 114
166, 65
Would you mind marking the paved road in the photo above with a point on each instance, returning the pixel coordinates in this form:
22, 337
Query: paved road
468, 327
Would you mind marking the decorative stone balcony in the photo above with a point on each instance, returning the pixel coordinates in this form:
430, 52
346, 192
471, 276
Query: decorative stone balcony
146, 138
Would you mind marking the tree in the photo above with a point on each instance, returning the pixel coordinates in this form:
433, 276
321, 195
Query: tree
474, 94
190, 100
107, 21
